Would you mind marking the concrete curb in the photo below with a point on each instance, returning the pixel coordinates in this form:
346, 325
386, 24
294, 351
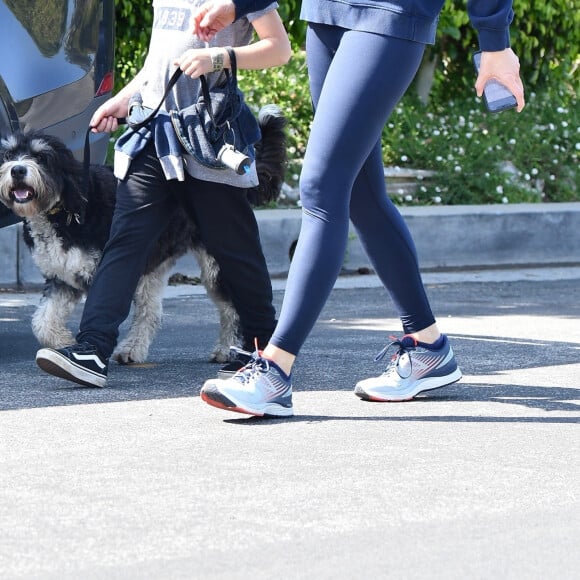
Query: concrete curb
447, 238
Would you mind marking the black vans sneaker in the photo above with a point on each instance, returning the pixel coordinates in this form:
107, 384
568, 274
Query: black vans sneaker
238, 360
79, 363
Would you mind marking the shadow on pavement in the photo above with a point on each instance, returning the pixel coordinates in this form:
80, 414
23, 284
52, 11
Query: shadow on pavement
340, 351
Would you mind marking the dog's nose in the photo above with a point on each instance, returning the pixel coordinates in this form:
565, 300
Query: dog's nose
18, 171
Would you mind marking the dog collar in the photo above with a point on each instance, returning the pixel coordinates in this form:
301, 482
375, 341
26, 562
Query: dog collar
69, 214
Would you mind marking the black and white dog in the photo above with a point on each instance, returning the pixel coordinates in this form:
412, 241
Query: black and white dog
66, 230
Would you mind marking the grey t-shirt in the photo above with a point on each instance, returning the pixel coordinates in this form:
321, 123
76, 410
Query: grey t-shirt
170, 38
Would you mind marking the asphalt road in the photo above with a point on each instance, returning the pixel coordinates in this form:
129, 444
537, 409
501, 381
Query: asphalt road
141, 480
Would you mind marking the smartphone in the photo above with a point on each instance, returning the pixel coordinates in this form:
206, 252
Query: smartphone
496, 96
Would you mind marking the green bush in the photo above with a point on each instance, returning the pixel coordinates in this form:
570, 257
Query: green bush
133, 29
545, 36
478, 157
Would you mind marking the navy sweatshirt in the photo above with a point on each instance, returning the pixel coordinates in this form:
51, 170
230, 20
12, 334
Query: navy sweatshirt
410, 19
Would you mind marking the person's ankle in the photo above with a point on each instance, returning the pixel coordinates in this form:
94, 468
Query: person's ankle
283, 359
429, 335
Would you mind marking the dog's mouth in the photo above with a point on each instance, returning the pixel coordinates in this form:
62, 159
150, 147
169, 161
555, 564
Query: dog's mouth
22, 194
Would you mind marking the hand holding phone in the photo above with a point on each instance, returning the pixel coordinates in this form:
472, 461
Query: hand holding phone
496, 96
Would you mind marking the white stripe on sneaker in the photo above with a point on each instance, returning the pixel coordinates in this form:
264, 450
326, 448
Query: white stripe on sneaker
93, 357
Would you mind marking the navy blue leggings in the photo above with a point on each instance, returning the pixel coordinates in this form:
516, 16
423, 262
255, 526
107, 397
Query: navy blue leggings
356, 80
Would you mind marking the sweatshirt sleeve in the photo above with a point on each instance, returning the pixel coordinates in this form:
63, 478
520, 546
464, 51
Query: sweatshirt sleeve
244, 7
491, 19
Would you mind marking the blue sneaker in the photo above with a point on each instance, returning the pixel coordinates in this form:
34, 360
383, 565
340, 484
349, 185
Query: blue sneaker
260, 388
416, 367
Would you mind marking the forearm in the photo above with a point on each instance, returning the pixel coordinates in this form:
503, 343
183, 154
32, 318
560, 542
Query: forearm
265, 53
491, 19
272, 47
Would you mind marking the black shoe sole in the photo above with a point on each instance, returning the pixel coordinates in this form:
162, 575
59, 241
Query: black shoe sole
57, 365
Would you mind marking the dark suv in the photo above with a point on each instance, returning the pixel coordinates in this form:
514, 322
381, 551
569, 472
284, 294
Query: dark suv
56, 68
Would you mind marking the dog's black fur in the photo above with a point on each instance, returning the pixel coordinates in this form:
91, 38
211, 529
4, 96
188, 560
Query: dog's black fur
66, 230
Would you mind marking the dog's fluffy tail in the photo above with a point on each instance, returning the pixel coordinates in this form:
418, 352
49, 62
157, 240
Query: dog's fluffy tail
271, 156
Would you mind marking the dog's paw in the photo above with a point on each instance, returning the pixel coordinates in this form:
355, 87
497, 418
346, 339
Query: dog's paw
129, 352
220, 354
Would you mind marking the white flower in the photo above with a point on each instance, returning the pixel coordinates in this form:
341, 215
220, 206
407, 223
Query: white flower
527, 177
564, 123
436, 132
577, 146
439, 158
512, 141
404, 158
534, 171
552, 177
457, 169
486, 174
499, 189
437, 199
505, 200
408, 197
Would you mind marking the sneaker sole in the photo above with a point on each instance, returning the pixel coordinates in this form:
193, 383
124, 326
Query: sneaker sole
429, 384
59, 366
212, 396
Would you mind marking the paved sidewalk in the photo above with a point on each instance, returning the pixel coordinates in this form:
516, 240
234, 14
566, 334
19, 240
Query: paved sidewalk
141, 480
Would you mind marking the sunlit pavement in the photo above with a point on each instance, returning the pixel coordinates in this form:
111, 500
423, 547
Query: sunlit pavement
142, 480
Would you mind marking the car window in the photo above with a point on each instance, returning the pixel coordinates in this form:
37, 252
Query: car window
56, 40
